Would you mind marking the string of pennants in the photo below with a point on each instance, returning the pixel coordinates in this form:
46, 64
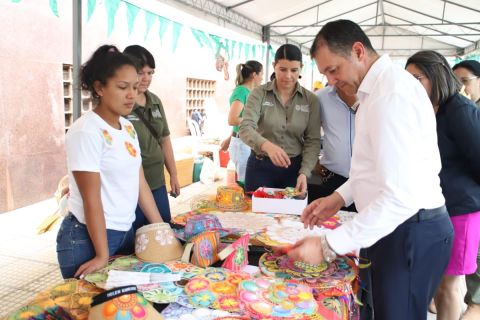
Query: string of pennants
233, 49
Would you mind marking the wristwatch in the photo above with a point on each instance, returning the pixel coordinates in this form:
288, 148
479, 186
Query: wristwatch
328, 254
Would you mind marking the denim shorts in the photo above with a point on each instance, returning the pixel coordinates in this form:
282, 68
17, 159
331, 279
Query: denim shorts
74, 246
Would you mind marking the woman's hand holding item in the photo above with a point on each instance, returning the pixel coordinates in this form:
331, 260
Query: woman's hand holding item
278, 156
301, 183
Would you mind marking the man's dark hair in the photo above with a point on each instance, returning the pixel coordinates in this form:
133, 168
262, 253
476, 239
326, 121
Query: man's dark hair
339, 36
435, 67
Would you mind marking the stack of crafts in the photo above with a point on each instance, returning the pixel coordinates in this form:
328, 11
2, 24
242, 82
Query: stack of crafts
333, 283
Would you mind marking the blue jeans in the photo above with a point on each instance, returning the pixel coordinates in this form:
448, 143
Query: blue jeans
161, 199
74, 246
239, 153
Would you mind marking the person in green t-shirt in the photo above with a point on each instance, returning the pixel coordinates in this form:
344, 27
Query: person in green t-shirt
249, 76
148, 118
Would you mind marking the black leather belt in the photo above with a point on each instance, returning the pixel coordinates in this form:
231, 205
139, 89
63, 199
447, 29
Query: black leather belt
428, 214
235, 134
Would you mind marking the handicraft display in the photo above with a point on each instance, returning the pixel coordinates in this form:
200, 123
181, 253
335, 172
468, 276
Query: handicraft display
156, 242
177, 311
164, 292
236, 254
216, 288
122, 303
73, 296
287, 193
336, 276
267, 298
289, 232
231, 198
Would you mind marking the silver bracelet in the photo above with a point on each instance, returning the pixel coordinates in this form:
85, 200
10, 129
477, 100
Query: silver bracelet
328, 254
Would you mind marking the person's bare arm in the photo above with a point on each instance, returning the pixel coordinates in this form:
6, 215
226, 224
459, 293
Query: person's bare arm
234, 118
89, 186
147, 202
170, 164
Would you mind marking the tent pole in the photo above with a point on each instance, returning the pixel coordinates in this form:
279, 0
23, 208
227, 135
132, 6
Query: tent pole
77, 57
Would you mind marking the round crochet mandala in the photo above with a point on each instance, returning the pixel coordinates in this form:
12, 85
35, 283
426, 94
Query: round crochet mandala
215, 289
323, 276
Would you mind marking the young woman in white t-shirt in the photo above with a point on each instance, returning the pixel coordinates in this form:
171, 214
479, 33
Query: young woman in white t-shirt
104, 167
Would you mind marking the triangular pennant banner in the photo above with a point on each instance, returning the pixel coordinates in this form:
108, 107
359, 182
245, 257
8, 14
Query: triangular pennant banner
263, 52
247, 51
164, 23
232, 48
177, 29
132, 12
254, 51
202, 39
54, 7
149, 20
227, 48
90, 8
240, 47
112, 8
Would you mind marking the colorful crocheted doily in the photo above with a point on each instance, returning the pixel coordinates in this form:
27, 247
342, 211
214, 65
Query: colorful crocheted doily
216, 288
268, 298
165, 292
338, 274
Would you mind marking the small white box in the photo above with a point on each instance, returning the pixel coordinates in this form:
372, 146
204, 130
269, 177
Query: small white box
270, 205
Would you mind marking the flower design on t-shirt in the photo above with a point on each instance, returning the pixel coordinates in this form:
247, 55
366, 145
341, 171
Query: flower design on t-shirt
128, 306
131, 149
164, 237
107, 137
141, 243
131, 131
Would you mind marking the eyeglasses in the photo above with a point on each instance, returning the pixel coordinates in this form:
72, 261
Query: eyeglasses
467, 79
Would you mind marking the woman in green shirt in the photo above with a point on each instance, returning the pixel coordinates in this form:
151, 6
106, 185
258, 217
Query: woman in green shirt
249, 76
281, 123
148, 118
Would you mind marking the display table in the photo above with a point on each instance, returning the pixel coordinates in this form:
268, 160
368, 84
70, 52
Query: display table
331, 286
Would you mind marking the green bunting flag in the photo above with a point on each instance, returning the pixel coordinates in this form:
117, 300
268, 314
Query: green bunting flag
202, 39
177, 29
90, 8
232, 48
254, 51
162, 29
263, 52
227, 48
271, 52
54, 7
149, 20
112, 8
132, 12
247, 51
240, 47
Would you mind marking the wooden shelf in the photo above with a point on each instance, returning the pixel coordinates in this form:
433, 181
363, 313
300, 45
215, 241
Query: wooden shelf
68, 94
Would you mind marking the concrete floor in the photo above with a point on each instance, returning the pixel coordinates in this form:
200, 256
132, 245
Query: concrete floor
28, 262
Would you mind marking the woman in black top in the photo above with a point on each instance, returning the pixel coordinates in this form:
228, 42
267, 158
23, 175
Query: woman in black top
458, 131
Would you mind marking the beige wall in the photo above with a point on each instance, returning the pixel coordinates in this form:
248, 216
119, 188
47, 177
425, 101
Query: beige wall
33, 46
32, 158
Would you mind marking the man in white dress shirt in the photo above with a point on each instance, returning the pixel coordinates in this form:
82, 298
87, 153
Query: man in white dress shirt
402, 219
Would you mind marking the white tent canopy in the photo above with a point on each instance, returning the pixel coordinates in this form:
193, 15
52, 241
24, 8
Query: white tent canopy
397, 27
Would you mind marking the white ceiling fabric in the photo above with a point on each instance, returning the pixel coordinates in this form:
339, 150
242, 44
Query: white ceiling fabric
397, 27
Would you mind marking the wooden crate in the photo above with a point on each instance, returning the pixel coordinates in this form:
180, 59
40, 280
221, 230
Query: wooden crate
184, 163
